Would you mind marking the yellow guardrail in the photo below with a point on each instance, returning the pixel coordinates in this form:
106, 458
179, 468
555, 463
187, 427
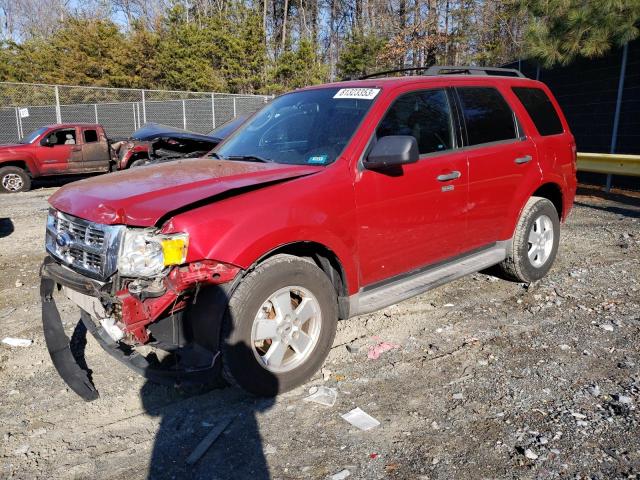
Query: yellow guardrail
609, 163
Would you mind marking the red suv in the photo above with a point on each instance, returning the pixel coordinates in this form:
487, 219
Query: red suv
330, 202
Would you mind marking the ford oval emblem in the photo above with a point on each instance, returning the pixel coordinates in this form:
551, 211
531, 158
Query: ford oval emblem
63, 240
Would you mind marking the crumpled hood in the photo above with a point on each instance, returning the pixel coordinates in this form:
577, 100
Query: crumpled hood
141, 196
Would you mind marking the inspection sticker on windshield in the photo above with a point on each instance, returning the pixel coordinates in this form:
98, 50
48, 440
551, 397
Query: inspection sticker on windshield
359, 93
318, 159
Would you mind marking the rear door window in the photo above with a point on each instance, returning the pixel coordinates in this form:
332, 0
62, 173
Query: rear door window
540, 109
487, 116
424, 115
90, 136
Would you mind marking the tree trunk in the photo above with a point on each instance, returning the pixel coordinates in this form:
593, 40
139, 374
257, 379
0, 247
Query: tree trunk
284, 25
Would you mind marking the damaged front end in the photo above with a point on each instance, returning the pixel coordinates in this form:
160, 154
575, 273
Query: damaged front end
156, 143
138, 297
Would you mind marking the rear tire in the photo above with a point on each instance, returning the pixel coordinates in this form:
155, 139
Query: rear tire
14, 180
279, 326
535, 242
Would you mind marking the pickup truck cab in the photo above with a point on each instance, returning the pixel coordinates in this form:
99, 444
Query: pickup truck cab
332, 201
54, 150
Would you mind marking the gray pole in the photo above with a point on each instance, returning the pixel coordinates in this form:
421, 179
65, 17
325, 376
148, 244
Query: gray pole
616, 116
144, 109
213, 110
184, 116
234, 107
18, 123
133, 107
95, 109
58, 113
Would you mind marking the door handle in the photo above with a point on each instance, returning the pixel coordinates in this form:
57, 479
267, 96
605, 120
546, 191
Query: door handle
445, 177
525, 159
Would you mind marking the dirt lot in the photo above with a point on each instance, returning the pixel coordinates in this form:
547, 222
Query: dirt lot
491, 380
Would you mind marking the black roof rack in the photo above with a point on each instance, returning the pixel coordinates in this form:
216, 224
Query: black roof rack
451, 70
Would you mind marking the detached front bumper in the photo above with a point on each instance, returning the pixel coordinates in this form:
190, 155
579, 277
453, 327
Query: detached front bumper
192, 354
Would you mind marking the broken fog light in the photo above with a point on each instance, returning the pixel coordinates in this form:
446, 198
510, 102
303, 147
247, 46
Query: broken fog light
144, 254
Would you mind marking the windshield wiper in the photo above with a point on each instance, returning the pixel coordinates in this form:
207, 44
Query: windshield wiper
248, 158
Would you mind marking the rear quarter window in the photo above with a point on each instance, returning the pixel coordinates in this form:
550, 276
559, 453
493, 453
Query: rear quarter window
540, 109
487, 116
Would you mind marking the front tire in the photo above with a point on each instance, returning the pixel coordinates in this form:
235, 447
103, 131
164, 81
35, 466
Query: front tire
279, 326
14, 179
535, 242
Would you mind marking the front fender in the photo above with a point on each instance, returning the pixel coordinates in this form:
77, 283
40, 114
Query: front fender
242, 229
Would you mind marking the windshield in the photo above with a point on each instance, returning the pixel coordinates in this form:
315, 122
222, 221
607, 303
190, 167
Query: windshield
227, 128
309, 127
29, 138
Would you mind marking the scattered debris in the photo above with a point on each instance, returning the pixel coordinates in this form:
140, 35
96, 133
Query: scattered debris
17, 342
593, 390
530, 454
341, 475
207, 441
269, 449
322, 395
360, 419
458, 396
607, 327
376, 350
352, 348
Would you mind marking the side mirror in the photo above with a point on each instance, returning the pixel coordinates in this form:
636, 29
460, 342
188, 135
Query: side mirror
392, 150
46, 141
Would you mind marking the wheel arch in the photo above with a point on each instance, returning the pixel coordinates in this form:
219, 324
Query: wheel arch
325, 258
552, 192
23, 164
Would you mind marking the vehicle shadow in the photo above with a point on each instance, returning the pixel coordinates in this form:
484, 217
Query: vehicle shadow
59, 180
6, 227
237, 452
627, 212
191, 415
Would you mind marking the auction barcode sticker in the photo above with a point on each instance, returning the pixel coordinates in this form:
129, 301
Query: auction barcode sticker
359, 93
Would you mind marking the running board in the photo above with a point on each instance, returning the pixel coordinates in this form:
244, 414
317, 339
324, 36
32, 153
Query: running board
367, 301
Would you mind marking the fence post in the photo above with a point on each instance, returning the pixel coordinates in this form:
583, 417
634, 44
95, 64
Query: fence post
58, 113
95, 109
18, 123
234, 107
184, 116
213, 110
133, 107
144, 109
616, 116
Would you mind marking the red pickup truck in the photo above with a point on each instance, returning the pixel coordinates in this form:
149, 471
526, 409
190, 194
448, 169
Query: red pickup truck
54, 150
332, 201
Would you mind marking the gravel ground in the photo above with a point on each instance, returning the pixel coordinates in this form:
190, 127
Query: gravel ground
490, 379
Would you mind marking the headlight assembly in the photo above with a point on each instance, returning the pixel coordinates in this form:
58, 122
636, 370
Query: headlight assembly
146, 254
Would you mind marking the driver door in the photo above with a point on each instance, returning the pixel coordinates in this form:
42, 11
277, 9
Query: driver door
414, 215
61, 153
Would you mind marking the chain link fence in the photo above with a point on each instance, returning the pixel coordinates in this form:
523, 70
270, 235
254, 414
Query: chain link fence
24, 107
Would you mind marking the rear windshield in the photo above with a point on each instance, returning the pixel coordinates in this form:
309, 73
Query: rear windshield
540, 109
309, 127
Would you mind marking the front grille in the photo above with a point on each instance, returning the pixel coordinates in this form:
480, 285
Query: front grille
90, 248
